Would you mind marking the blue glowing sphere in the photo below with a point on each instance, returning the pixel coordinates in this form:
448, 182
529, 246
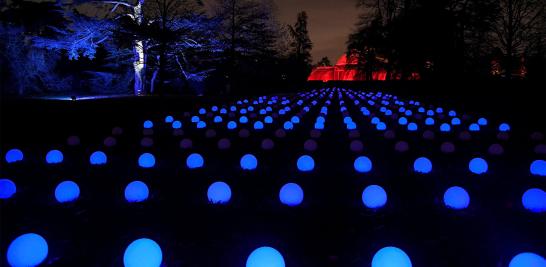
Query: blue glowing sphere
402, 121
445, 127
429, 121
430, 112
291, 194
363, 164
455, 121
412, 126
231, 125
538, 167
474, 127
67, 191
408, 112
54, 157
374, 196
27, 250
169, 119
219, 193
375, 120
177, 125
391, 257
351, 125
98, 158
148, 124
478, 166
295, 119
452, 113
265, 257
249, 162
482, 121
268, 119
217, 119
456, 198
202, 111
194, 161
136, 191
319, 126
7, 188
243, 119
381, 126
504, 127
422, 165
14, 155
527, 259
146, 160
143, 252
258, 125
195, 119
534, 200
201, 125
288, 125
306, 163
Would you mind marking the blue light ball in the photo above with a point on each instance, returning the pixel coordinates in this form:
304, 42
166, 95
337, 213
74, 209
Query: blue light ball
482, 121
67, 191
249, 162
527, 259
98, 158
412, 126
243, 119
7, 188
268, 119
288, 125
217, 119
54, 157
474, 127
177, 125
534, 200
374, 197
422, 165
504, 127
429, 121
291, 194
146, 160
14, 155
258, 125
455, 121
265, 257
456, 198
231, 125
363, 164
27, 250
402, 121
538, 167
391, 257
305, 163
445, 127
169, 119
148, 124
143, 252
381, 126
219, 193
201, 125
194, 161
136, 191
478, 166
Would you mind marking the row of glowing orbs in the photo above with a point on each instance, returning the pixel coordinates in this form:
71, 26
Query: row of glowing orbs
31, 249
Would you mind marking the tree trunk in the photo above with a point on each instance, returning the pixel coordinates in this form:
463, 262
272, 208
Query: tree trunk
139, 52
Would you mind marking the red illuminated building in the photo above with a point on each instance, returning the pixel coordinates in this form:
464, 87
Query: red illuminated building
344, 70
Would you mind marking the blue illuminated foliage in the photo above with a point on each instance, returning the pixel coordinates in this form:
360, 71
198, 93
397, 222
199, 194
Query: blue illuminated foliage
291, 194
27, 250
143, 252
265, 257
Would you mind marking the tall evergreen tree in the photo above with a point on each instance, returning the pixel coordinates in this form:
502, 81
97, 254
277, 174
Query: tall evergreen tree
301, 46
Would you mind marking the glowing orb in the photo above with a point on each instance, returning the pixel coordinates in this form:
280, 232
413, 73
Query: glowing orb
402, 121
412, 126
177, 125
391, 257
538, 167
504, 127
363, 164
422, 165
295, 119
136, 191
534, 200
381, 126
429, 121
169, 119
374, 196
455, 121
306, 163
445, 127
148, 124
291, 194
478, 166
202, 111
98, 158
201, 125
288, 125
474, 127
456, 198
231, 125
14, 155
219, 193
265, 257
27, 250
482, 121
143, 252
194, 161
54, 157
268, 119
146, 160
243, 119
258, 125
249, 162
67, 191
217, 119
7, 188
195, 119
527, 259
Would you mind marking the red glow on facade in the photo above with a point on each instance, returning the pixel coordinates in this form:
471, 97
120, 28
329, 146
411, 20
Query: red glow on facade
344, 70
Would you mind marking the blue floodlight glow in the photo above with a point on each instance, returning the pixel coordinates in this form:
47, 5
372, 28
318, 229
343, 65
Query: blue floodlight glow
143, 252
478, 166
402, 121
445, 127
98, 158
455, 121
194, 161
538, 167
456, 198
288, 125
136, 191
474, 127
217, 119
391, 257
482, 121
258, 125
219, 193
306, 163
243, 119
146, 160
363, 164
268, 119
429, 121
14, 155
249, 162
534, 200
54, 157
7, 188
177, 125
231, 125
527, 259
374, 197
27, 250
504, 127
169, 119
67, 191
291, 194
265, 257
422, 165
148, 124
412, 126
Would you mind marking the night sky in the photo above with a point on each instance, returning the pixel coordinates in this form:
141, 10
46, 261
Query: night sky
330, 22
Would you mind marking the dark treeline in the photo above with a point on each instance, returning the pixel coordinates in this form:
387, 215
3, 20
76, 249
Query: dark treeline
451, 39
146, 47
